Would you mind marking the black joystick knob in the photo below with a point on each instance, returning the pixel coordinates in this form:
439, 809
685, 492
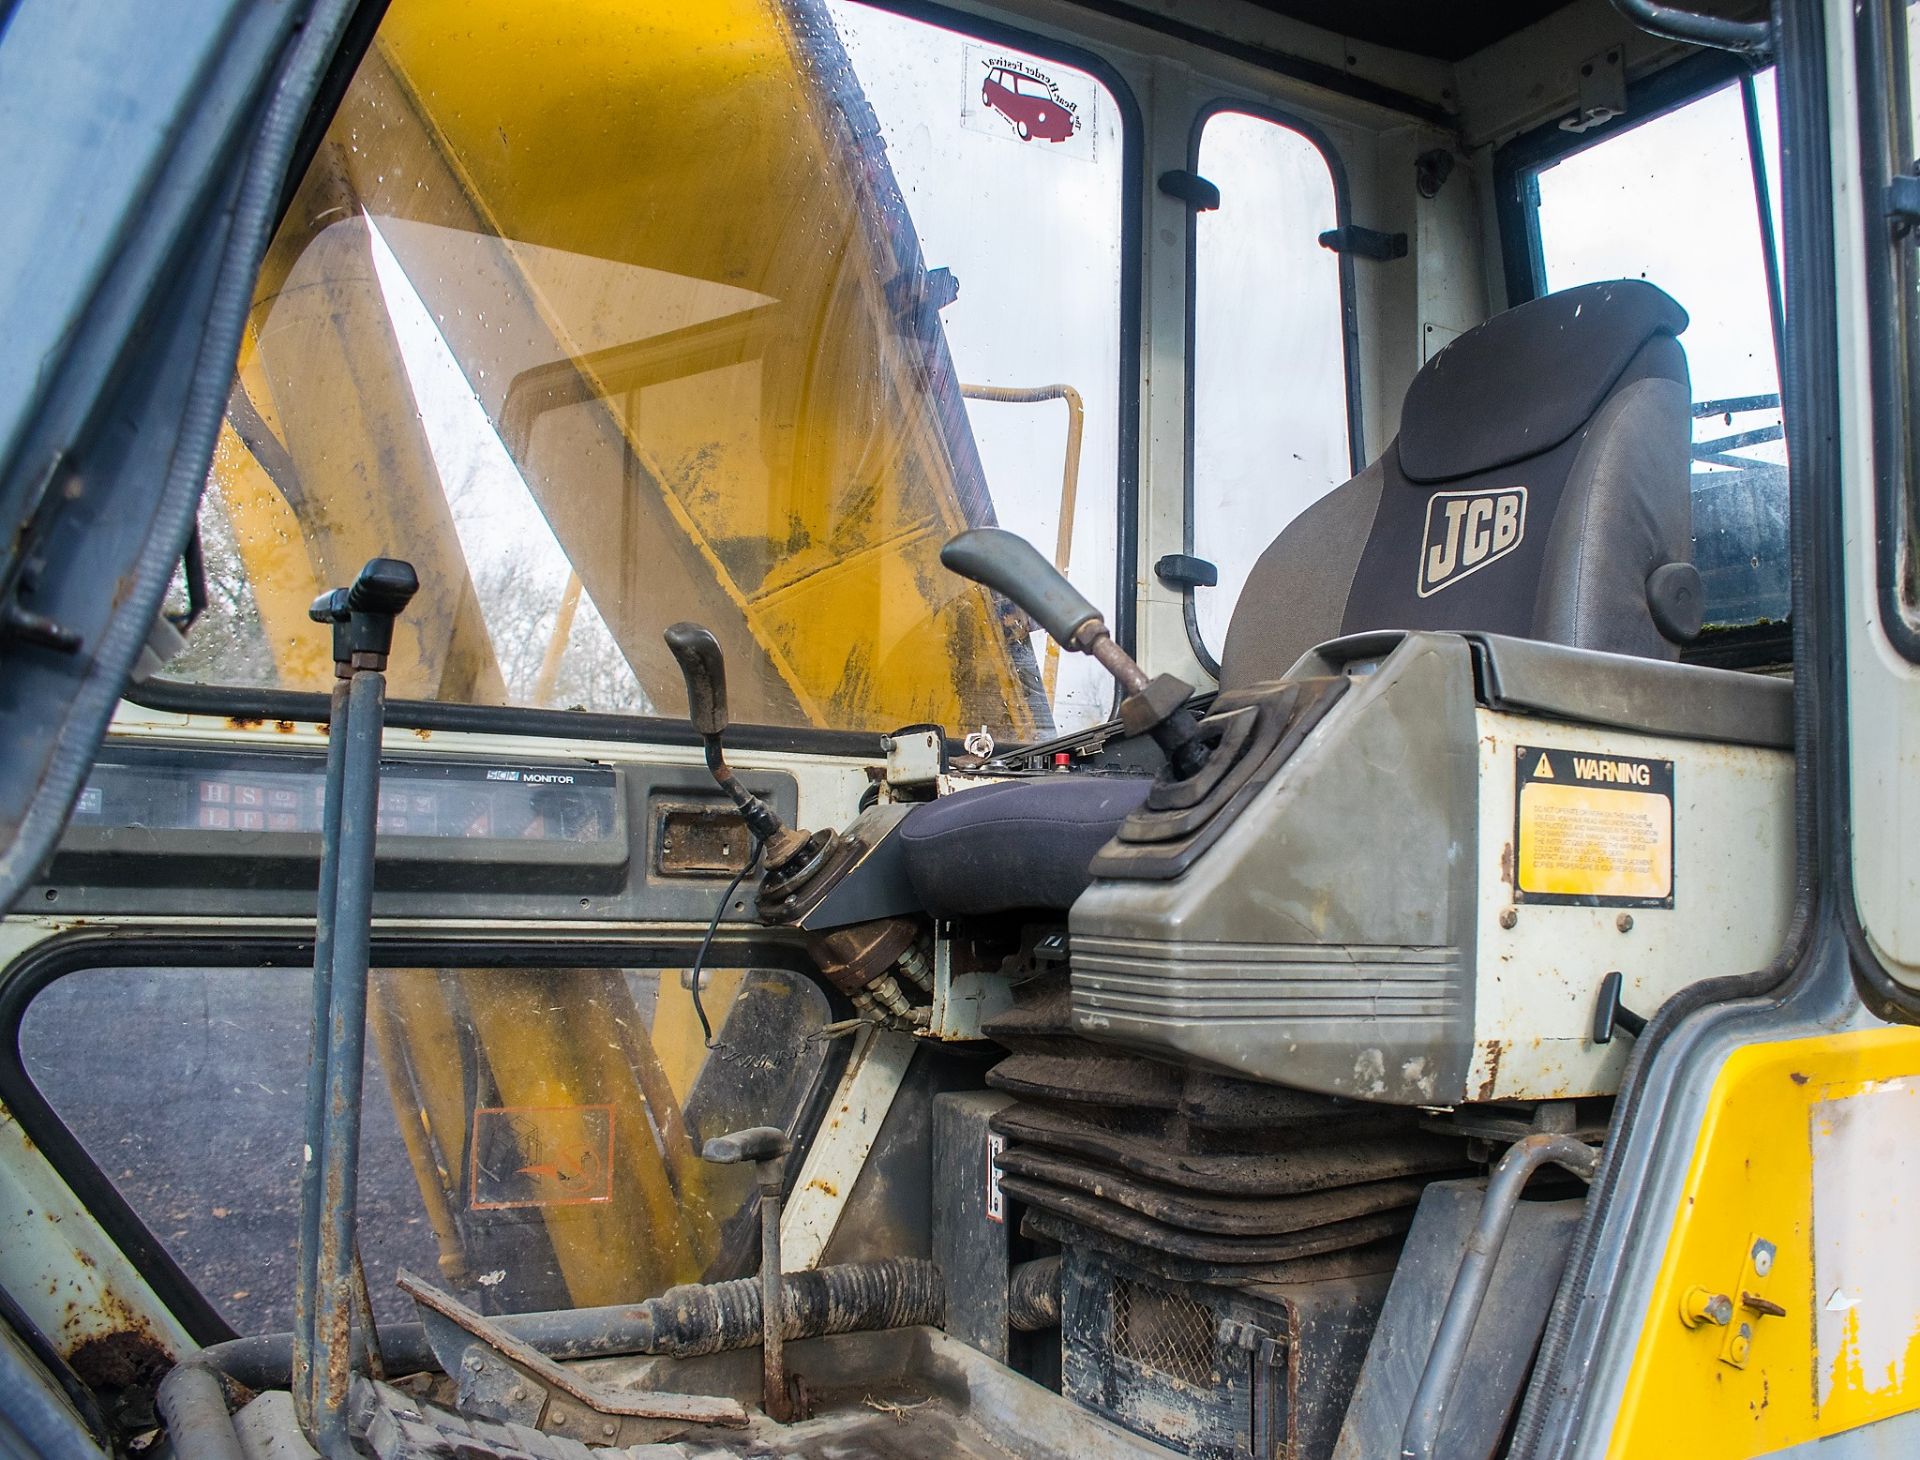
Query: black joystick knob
705, 671
1013, 567
362, 613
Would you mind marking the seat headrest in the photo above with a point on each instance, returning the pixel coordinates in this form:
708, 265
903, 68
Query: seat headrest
1526, 380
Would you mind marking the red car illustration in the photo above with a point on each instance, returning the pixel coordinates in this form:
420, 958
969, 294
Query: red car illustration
1029, 104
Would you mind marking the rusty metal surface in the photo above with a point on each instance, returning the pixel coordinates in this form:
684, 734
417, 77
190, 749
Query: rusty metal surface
695, 839
691, 1408
853, 957
902, 1395
73, 1284
131, 1358
123, 1369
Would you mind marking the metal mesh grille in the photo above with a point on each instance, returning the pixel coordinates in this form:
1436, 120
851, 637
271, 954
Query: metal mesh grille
1168, 1332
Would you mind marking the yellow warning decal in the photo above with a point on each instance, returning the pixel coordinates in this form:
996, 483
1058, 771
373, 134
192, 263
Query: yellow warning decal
1593, 829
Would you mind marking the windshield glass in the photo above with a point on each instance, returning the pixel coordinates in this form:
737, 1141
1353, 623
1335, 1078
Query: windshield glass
611, 315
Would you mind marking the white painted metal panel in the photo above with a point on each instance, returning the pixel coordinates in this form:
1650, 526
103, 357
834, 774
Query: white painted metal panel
1537, 980
866, 1093
1866, 1267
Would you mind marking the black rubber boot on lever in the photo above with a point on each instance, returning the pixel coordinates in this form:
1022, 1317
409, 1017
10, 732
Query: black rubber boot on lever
698, 653
1012, 567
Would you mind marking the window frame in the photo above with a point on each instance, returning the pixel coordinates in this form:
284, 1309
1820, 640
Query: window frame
1517, 165
171, 948
250, 702
1349, 322
1892, 341
1518, 162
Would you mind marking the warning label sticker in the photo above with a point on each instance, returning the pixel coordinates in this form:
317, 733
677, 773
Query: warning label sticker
1592, 829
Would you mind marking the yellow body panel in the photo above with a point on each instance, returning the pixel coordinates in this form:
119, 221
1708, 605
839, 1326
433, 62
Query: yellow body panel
1699, 1391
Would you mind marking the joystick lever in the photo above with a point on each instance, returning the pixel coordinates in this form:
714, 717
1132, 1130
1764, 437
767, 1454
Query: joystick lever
1012, 567
698, 653
362, 614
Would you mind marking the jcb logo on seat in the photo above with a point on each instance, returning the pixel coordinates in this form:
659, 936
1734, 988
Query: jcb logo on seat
1468, 530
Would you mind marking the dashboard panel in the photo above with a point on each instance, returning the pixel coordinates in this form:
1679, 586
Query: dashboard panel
188, 829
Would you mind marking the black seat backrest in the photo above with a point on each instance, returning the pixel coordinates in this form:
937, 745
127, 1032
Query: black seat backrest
1540, 476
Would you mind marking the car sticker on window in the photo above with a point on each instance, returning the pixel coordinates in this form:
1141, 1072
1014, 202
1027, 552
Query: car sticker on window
1044, 107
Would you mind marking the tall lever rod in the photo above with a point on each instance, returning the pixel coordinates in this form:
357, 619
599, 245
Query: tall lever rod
362, 619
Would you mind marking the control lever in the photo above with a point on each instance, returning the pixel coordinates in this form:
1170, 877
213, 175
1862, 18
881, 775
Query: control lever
1610, 1014
766, 1148
1012, 567
698, 653
330, 1284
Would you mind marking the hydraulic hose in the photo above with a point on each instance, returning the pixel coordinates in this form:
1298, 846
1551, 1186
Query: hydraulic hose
710, 1318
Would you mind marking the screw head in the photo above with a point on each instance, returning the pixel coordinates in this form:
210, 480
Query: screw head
1508, 917
557, 1416
1741, 1347
1624, 922
1762, 1257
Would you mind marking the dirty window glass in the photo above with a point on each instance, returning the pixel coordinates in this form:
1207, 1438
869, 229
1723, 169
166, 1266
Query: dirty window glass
607, 316
1673, 201
1902, 154
1269, 371
530, 1137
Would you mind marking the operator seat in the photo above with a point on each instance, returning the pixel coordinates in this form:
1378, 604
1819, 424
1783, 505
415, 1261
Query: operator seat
1539, 487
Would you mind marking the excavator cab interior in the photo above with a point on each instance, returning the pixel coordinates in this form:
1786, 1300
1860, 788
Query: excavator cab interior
1049, 685
1566, 419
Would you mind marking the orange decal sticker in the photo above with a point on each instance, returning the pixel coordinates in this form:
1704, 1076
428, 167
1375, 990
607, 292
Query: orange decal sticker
541, 1156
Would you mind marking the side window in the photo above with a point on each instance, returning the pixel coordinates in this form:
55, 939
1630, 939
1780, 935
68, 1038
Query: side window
741, 334
1269, 422
1890, 157
531, 1135
1684, 202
